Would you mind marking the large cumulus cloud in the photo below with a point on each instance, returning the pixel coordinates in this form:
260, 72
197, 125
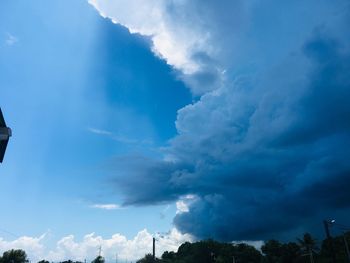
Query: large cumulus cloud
69, 247
265, 150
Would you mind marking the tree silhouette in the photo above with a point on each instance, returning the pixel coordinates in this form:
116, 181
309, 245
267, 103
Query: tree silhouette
308, 243
14, 256
147, 259
308, 246
98, 259
273, 251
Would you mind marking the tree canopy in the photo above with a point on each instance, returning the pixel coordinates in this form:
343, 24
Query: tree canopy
14, 256
304, 250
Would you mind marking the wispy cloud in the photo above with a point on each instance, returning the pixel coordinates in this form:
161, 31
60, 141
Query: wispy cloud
11, 39
118, 138
106, 206
100, 132
162, 214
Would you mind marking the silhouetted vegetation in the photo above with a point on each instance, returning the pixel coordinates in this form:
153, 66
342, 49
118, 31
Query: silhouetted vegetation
147, 259
304, 250
14, 256
98, 259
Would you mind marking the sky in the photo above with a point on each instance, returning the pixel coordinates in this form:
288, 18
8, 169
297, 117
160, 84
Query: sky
180, 119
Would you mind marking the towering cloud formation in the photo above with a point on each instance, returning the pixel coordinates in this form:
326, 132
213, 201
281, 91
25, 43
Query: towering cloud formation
265, 150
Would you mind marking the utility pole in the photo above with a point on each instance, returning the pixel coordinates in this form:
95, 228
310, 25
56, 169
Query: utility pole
326, 227
233, 259
154, 249
346, 247
116, 258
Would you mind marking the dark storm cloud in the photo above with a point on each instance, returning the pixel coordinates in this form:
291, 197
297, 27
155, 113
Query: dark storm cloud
296, 171
265, 150
146, 181
324, 108
262, 161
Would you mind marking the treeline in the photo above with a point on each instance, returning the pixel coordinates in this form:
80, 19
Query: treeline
303, 250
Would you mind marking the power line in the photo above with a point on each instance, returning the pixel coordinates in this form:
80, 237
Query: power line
9, 233
343, 227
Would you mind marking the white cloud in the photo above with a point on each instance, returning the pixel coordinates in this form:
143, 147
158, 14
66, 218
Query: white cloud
182, 205
32, 245
106, 206
149, 18
87, 248
179, 37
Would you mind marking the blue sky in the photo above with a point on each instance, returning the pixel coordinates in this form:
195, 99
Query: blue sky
182, 115
64, 79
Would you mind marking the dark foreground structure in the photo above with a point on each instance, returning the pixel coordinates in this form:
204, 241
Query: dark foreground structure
5, 134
